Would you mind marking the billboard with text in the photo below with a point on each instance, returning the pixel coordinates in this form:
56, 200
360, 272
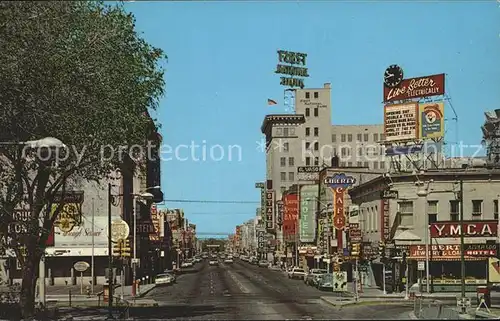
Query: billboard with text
401, 122
308, 206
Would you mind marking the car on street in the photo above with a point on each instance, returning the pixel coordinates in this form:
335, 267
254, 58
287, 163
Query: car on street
229, 260
164, 279
187, 264
309, 277
325, 282
263, 263
197, 259
213, 262
296, 273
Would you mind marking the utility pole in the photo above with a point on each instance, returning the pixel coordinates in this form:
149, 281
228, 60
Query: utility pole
110, 257
462, 246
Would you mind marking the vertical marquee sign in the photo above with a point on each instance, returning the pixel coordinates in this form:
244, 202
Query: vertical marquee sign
338, 183
279, 214
270, 209
292, 64
307, 217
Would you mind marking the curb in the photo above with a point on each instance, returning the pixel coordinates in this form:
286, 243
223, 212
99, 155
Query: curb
366, 302
142, 294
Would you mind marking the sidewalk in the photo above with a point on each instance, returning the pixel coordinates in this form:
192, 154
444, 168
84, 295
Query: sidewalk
97, 299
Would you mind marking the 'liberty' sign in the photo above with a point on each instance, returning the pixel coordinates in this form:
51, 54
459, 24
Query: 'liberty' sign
339, 181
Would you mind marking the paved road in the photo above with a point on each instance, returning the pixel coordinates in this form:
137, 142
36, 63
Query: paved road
245, 292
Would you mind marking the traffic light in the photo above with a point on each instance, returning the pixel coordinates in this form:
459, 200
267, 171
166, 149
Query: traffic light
122, 248
125, 250
355, 249
117, 248
381, 249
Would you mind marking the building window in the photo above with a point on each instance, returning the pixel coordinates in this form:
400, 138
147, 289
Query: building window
285, 147
308, 161
316, 146
308, 95
406, 212
365, 137
477, 207
454, 210
308, 112
342, 138
359, 164
349, 164
283, 176
291, 161
292, 131
382, 165
283, 161
375, 165
343, 151
342, 164
365, 164
375, 137
359, 137
316, 131
360, 151
316, 113
308, 145
349, 138
291, 176
316, 161
382, 137
285, 131
432, 211
495, 209
279, 131
308, 131
316, 95
283, 189
334, 138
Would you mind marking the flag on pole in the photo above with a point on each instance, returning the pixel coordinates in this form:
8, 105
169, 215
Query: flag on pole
271, 102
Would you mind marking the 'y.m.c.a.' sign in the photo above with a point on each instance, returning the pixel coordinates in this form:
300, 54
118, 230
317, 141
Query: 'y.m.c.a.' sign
470, 229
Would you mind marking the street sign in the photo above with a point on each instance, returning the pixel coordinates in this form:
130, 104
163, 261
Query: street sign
340, 281
119, 230
421, 265
81, 266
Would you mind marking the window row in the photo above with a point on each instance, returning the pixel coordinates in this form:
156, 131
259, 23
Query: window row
291, 161
315, 131
406, 210
362, 151
359, 137
308, 95
308, 112
283, 176
371, 165
285, 131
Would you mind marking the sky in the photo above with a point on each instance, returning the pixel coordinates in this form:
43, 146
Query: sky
220, 73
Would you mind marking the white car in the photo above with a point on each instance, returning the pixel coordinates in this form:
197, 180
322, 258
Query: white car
213, 262
228, 260
186, 264
164, 279
296, 273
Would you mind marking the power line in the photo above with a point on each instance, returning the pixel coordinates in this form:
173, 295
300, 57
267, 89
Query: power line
217, 213
213, 202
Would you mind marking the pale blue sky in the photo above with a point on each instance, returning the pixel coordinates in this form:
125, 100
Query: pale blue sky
220, 73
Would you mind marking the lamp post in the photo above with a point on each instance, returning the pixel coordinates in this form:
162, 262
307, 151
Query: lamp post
47, 142
110, 248
423, 192
462, 245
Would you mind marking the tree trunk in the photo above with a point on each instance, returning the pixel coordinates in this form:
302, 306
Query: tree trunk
28, 285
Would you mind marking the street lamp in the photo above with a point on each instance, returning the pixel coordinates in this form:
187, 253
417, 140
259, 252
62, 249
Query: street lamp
47, 142
424, 192
143, 195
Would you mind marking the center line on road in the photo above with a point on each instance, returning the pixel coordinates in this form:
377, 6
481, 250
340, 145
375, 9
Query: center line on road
238, 283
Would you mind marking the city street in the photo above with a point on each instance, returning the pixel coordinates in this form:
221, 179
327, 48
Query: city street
246, 292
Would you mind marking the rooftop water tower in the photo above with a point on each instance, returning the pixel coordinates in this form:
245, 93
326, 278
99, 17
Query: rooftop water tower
491, 137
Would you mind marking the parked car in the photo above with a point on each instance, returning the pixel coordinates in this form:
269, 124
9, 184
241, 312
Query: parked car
228, 260
309, 277
325, 282
164, 279
296, 273
197, 259
213, 262
254, 261
263, 263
